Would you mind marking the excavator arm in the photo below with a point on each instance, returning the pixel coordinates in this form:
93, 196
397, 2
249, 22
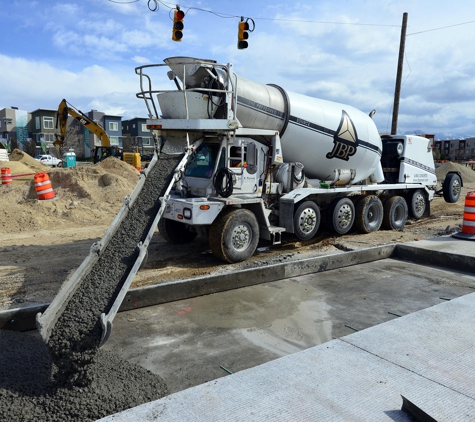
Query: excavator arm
66, 109
101, 152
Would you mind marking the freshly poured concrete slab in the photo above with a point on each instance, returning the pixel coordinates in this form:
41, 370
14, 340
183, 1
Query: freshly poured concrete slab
426, 356
360, 377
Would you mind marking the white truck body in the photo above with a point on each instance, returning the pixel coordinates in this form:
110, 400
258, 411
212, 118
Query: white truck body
268, 161
49, 160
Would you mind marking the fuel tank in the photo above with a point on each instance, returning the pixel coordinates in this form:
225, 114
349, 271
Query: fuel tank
322, 135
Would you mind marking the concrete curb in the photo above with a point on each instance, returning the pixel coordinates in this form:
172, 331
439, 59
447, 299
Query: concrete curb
23, 319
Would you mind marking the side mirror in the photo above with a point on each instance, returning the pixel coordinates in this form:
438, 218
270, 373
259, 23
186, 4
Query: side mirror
251, 158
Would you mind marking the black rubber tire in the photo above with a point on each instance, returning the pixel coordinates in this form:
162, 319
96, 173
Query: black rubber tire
369, 214
341, 214
60, 164
234, 235
306, 220
395, 213
417, 203
452, 188
175, 232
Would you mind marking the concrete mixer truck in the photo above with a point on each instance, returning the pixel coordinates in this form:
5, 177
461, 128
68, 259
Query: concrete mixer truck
264, 161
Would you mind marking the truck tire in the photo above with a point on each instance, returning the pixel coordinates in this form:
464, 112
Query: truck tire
369, 214
417, 202
342, 215
234, 235
452, 187
175, 232
395, 213
60, 164
306, 220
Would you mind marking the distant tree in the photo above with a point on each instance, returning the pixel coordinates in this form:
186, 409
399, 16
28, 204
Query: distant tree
30, 147
14, 144
436, 153
443, 156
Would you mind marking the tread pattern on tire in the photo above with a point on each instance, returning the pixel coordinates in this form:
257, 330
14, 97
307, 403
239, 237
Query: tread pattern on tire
360, 214
388, 215
218, 228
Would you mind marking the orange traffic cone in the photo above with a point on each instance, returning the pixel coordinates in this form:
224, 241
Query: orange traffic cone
43, 187
6, 176
468, 225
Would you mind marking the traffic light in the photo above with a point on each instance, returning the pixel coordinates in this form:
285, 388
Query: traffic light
177, 31
243, 35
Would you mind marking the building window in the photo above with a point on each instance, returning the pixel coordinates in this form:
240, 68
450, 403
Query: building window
48, 122
146, 141
113, 126
114, 140
37, 122
144, 127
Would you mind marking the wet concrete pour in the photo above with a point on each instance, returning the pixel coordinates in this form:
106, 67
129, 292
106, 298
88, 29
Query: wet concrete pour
69, 379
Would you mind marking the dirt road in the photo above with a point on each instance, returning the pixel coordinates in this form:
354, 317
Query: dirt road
43, 242
35, 263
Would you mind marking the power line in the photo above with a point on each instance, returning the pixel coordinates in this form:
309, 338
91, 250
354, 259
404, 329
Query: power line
230, 16
442, 27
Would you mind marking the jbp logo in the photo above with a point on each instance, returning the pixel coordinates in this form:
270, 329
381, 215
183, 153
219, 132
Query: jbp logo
345, 140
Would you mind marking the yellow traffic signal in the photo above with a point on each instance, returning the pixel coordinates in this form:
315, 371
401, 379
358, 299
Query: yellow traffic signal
177, 30
243, 35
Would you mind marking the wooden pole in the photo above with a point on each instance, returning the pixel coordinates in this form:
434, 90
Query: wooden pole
397, 91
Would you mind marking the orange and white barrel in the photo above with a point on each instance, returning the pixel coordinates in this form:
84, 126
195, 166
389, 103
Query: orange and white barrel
43, 186
468, 224
6, 176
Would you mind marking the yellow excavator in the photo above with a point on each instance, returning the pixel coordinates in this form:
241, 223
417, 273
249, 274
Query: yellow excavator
100, 152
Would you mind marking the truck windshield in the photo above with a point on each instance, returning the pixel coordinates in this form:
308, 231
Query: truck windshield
202, 162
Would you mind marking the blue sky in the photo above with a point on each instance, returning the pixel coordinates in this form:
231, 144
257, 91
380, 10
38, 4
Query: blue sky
339, 50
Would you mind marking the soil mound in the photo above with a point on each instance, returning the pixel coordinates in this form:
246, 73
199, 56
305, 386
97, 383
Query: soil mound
20, 158
84, 195
468, 175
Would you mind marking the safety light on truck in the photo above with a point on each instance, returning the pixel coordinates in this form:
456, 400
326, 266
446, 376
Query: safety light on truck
177, 31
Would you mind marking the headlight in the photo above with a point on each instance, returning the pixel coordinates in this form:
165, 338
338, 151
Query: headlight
187, 213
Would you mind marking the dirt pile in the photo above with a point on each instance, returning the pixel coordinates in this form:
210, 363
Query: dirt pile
85, 195
22, 163
468, 175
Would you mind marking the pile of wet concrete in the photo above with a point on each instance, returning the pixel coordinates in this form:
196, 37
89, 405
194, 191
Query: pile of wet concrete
69, 378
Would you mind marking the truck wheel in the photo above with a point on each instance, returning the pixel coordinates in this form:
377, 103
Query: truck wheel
395, 213
175, 232
369, 214
452, 187
342, 215
60, 164
417, 202
234, 235
306, 220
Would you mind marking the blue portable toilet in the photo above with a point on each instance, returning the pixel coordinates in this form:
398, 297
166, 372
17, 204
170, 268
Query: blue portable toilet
69, 158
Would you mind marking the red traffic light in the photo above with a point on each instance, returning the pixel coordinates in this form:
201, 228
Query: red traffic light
178, 25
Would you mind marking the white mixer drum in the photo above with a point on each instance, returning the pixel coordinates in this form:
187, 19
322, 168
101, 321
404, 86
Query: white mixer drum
322, 135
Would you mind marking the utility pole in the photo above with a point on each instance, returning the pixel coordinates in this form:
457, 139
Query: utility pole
397, 91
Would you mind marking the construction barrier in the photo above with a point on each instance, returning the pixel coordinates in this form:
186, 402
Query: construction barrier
6, 176
43, 186
468, 224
